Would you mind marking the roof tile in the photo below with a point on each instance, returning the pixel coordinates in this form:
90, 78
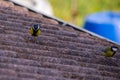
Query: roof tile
59, 53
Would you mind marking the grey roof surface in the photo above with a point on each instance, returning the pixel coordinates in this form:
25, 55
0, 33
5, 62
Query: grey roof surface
59, 53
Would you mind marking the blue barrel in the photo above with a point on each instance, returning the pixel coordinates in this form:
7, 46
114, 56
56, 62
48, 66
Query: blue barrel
106, 24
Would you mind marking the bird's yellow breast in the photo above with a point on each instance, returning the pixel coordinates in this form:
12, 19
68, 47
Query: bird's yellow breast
34, 33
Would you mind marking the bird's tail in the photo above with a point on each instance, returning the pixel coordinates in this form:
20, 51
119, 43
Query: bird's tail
103, 54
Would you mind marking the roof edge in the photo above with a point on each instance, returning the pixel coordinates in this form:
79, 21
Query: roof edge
64, 23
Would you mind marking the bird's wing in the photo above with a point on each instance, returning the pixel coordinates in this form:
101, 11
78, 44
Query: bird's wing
31, 31
38, 32
108, 54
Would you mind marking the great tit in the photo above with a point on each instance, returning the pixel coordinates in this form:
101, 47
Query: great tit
35, 30
110, 51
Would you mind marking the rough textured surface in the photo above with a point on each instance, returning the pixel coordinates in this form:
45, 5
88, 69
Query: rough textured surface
59, 53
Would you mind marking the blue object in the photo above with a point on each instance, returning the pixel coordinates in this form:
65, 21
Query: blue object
106, 24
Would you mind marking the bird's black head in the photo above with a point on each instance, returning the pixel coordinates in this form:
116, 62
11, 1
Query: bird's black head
114, 48
36, 27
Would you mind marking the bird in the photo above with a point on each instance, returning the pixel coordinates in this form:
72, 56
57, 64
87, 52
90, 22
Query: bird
35, 30
110, 51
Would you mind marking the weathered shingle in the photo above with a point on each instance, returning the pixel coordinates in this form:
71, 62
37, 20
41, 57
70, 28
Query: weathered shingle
59, 53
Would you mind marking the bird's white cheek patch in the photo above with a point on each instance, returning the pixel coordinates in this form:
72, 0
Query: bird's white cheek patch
115, 49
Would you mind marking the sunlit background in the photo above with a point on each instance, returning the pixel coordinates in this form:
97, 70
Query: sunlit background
74, 11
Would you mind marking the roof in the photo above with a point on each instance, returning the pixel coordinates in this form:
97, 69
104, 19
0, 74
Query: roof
59, 53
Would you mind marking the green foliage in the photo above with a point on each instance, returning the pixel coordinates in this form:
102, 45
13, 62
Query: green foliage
63, 8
